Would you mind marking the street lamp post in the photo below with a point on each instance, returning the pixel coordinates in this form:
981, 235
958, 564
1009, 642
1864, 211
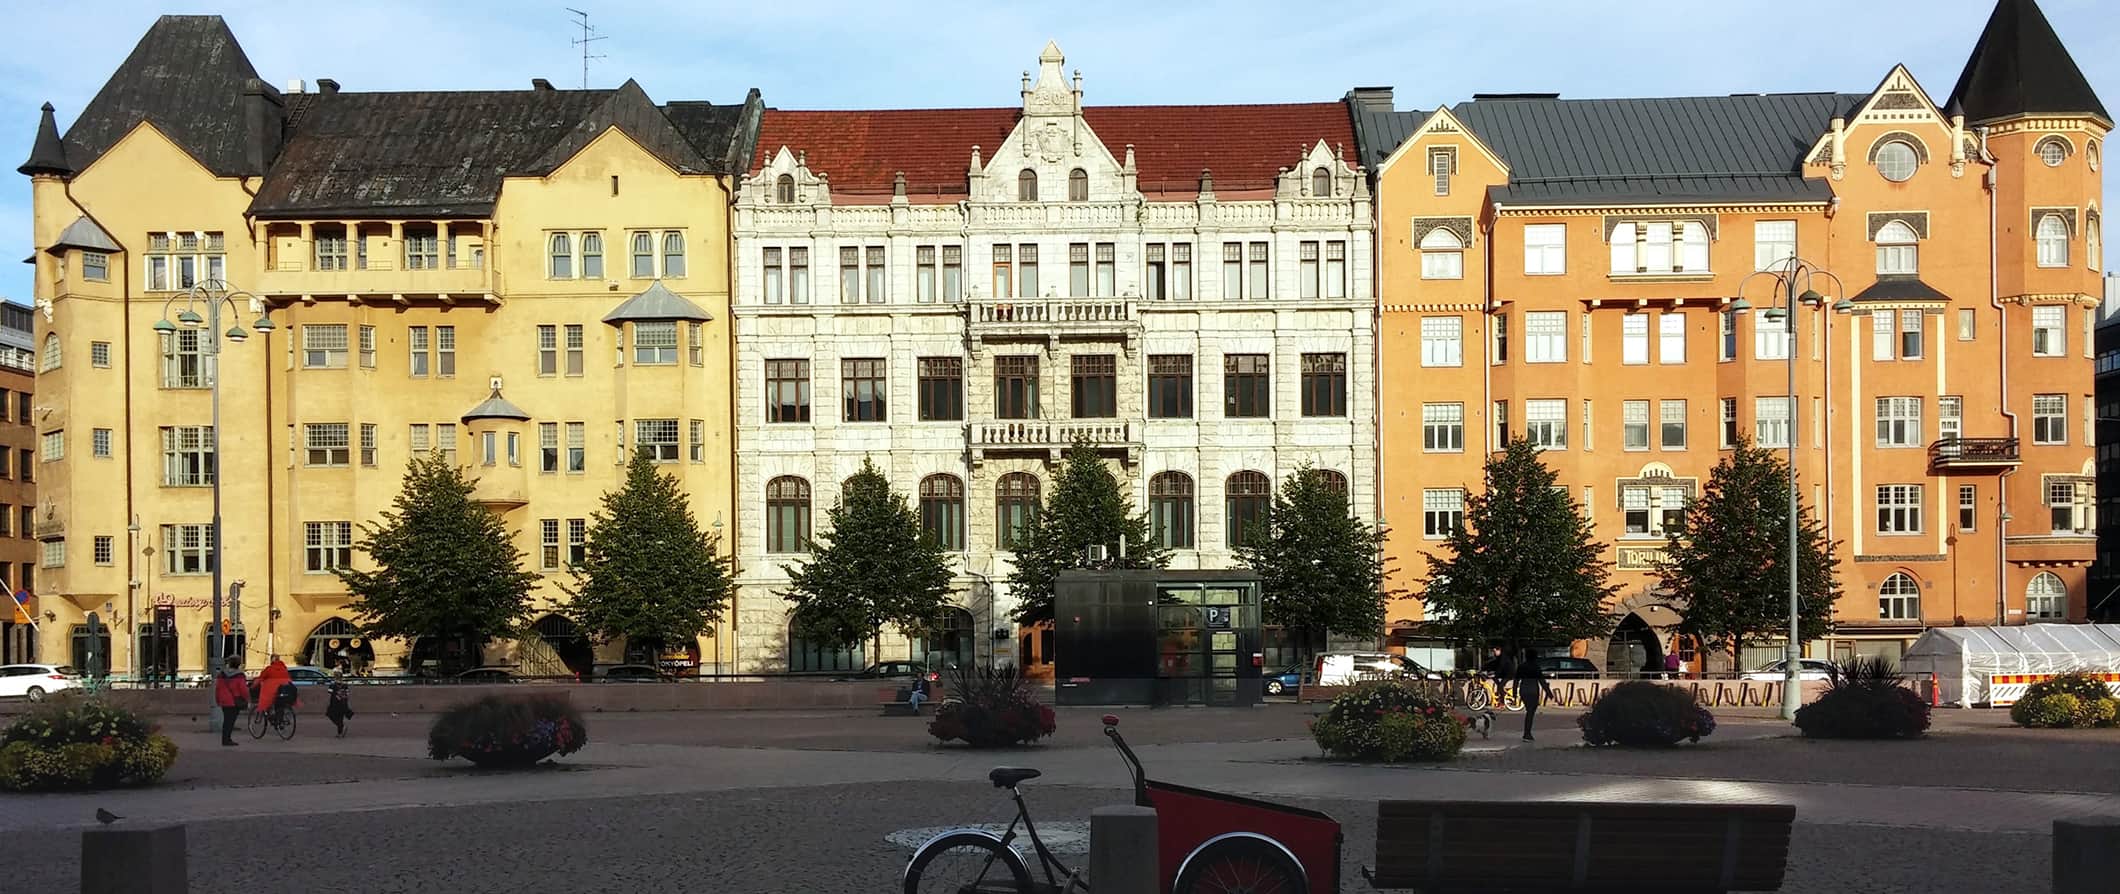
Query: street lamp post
1788, 276
213, 294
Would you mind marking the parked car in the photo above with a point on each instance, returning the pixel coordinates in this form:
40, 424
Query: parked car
1285, 680
35, 681
1343, 668
896, 670
633, 673
1813, 670
304, 675
487, 675
1563, 667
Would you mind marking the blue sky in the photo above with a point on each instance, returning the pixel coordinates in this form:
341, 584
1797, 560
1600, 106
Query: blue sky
835, 54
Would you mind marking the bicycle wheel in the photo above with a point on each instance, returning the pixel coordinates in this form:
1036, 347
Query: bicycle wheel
1509, 699
286, 726
257, 724
1478, 699
966, 863
1239, 866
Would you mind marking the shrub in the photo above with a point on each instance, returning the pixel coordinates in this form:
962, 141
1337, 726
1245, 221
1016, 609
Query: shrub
989, 708
2095, 712
2077, 683
73, 742
1864, 700
1389, 721
1644, 713
2075, 699
508, 731
2052, 709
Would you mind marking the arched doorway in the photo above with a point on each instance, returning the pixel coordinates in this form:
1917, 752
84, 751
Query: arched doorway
557, 650
1633, 649
443, 656
338, 645
949, 643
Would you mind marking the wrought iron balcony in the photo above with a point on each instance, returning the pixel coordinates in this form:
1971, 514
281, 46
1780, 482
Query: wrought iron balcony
1973, 453
1051, 437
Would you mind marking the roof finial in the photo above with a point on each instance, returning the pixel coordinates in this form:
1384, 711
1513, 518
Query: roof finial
898, 184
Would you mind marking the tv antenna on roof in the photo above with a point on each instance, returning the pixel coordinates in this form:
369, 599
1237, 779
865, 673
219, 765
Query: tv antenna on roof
589, 37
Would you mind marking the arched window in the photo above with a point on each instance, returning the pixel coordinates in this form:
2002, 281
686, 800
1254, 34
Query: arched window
673, 255
1442, 255
2092, 243
1896, 161
1899, 598
561, 251
1897, 252
1027, 186
1247, 495
643, 255
1321, 182
2052, 238
784, 189
947, 643
2052, 151
1693, 247
592, 256
50, 360
2090, 154
1015, 504
2046, 597
1078, 185
787, 515
805, 656
1170, 509
1332, 480
942, 510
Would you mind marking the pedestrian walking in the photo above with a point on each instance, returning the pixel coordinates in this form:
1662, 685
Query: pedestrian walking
341, 708
1531, 689
1673, 667
231, 693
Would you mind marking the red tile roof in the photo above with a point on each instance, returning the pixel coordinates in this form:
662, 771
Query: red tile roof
1244, 145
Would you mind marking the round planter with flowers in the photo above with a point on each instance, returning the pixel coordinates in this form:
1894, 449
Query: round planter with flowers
508, 731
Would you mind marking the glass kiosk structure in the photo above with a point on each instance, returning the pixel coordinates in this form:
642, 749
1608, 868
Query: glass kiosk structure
1156, 637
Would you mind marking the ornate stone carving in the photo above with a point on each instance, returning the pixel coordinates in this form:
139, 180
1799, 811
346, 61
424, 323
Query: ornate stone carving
1052, 142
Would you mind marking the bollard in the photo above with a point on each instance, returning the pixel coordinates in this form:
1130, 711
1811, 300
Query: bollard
133, 861
2086, 855
1122, 850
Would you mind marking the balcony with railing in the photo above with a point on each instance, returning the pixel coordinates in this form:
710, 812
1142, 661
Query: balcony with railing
369, 259
1973, 453
1049, 438
1052, 318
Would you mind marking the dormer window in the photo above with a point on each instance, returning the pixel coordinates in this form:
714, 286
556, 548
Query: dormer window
1321, 182
1896, 161
784, 189
1078, 185
1027, 186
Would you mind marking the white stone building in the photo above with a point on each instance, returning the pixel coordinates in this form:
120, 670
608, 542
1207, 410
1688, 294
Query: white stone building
958, 294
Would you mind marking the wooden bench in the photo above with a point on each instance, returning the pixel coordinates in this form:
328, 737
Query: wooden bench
892, 699
1501, 846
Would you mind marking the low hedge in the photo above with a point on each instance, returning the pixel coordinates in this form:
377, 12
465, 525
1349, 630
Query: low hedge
75, 742
508, 731
1389, 721
2069, 701
1642, 713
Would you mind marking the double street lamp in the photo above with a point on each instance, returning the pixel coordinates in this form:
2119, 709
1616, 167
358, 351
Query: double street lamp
1789, 276
212, 295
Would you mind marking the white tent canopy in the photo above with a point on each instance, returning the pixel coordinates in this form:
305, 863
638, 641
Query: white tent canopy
1962, 658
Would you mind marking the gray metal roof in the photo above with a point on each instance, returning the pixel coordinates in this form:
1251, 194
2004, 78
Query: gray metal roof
2020, 67
657, 302
84, 234
1680, 149
495, 407
189, 77
1894, 287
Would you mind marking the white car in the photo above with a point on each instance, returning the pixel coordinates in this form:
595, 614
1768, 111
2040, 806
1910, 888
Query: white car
35, 681
1814, 670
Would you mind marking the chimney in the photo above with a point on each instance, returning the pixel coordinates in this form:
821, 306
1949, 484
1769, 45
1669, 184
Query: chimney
264, 120
294, 86
327, 86
1370, 99
541, 85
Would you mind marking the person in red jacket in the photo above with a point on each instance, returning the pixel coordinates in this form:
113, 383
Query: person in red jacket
231, 693
273, 683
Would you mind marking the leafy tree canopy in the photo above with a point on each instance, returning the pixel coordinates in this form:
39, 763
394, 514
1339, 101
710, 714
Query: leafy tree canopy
650, 573
1084, 508
1525, 567
1727, 567
445, 566
1322, 569
872, 566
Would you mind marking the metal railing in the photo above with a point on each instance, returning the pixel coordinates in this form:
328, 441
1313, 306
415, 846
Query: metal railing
1972, 451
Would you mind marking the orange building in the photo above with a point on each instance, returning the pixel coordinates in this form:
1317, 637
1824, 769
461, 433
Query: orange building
1569, 270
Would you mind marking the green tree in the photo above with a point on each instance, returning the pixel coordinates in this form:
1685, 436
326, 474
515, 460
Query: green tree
1321, 568
1084, 508
445, 566
650, 574
1727, 566
1525, 567
875, 566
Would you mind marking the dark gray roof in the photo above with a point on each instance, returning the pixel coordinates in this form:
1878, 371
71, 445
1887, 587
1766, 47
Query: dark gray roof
495, 407
1378, 133
2019, 66
1681, 149
1897, 287
657, 302
48, 154
724, 134
188, 76
85, 234
628, 109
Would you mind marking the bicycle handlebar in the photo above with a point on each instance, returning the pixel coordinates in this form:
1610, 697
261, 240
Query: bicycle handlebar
1133, 763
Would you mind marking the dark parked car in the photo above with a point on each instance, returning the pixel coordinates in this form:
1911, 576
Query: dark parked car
487, 675
634, 673
896, 670
1562, 667
303, 675
1285, 680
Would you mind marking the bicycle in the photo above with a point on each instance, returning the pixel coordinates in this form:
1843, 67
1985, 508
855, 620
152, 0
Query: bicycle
279, 719
1229, 863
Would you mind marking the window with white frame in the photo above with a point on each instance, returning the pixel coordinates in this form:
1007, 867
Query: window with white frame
327, 444
787, 274
1898, 598
1772, 335
658, 437
2092, 244
577, 447
1965, 324
368, 445
2049, 418
1335, 269
1899, 509
187, 456
1950, 417
183, 360
364, 342
329, 545
1671, 419
1653, 510
1659, 247
1546, 423
95, 266
324, 346
1968, 507
1897, 160
1671, 337
673, 254
1545, 336
559, 255
1442, 255
1634, 425
1726, 335
1442, 511
2069, 499
1729, 422
187, 549
1770, 421
1899, 422
1545, 249
1902, 335
177, 261
2046, 597
2051, 237
2049, 331
1442, 162
420, 349
697, 444
1443, 427
1634, 339
1442, 341
1773, 243
1898, 251
592, 248
655, 342
104, 549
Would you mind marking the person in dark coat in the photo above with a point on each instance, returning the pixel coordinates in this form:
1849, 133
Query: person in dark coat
341, 707
1531, 688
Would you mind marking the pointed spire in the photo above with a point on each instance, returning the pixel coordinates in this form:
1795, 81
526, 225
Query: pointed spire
48, 154
2020, 67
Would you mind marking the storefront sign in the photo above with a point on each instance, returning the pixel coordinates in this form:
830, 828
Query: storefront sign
1640, 558
172, 599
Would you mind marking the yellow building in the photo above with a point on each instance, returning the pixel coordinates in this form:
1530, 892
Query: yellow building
534, 280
